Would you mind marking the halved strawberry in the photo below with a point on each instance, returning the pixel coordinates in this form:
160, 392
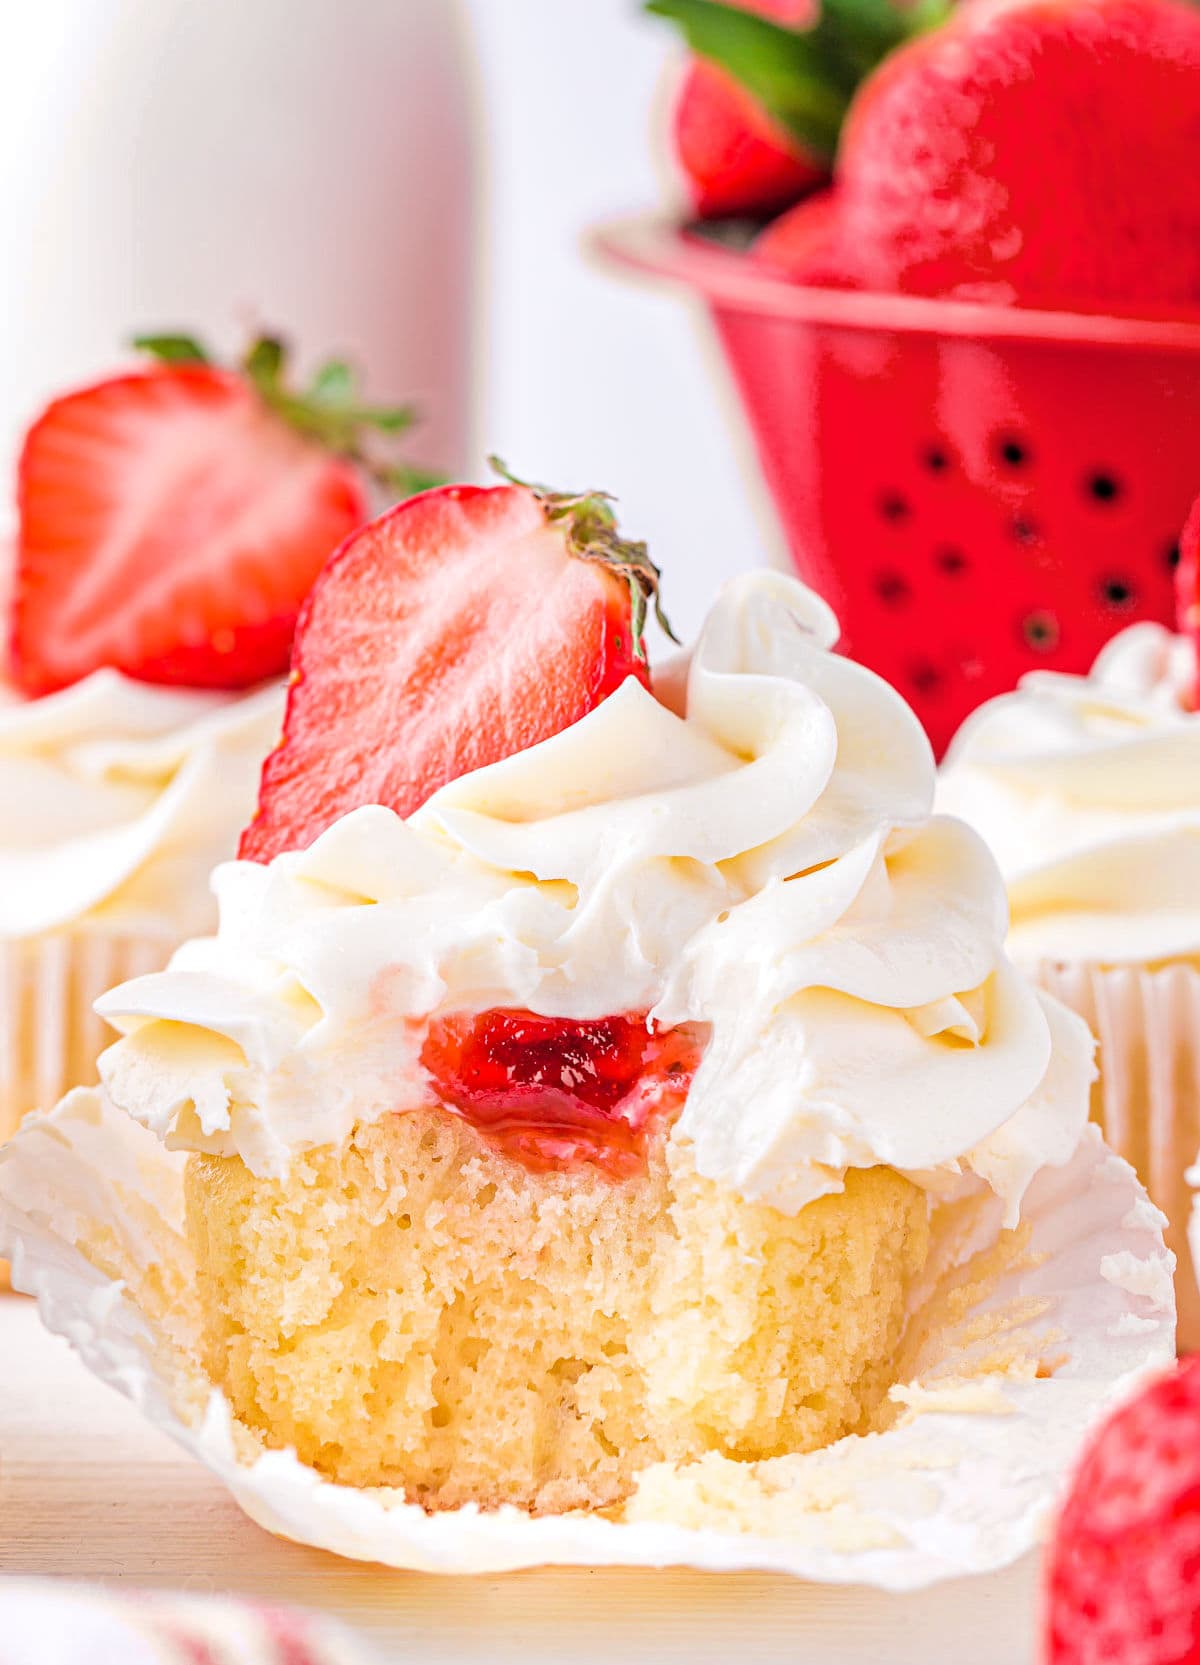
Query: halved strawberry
463, 626
172, 520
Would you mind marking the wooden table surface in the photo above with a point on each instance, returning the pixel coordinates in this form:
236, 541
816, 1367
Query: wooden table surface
87, 1490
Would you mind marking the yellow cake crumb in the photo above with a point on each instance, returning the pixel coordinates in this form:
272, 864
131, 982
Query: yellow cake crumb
417, 1310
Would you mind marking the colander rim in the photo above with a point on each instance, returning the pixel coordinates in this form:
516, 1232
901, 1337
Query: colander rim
660, 246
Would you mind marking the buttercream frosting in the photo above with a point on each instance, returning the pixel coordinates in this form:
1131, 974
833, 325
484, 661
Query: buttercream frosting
764, 865
1087, 788
117, 798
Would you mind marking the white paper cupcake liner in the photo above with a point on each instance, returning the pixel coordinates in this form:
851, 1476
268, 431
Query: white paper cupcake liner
50, 1037
91, 1213
1147, 1100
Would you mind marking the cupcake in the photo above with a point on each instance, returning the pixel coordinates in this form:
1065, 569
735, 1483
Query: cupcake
1087, 788
580, 1084
118, 798
171, 521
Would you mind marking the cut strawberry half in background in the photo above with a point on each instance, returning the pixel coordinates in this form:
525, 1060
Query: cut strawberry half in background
172, 520
463, 626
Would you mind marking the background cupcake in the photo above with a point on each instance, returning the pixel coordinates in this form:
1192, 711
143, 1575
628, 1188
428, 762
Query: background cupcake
1088, 790
171, 522
116, 799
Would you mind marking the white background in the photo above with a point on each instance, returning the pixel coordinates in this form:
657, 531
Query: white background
587, 378
305, 163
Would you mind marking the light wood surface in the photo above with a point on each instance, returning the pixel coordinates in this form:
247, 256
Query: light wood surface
88, 1491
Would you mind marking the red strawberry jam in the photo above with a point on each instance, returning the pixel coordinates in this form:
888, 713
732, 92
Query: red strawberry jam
555, 1092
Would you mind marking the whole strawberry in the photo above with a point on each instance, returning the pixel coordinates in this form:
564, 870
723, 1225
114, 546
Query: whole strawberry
1032, 151
172, 519
1123, 1572
736, 157
756, 120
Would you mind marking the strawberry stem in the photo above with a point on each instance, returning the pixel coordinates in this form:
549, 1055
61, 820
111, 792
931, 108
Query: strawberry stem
590, 528
328, 412
173, 349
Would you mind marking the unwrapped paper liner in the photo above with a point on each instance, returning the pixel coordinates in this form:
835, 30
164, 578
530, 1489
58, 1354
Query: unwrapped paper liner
91, 1213
1147, 1097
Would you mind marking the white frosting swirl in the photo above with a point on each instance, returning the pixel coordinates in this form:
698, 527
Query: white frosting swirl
764, 865
1087, 788
117, 798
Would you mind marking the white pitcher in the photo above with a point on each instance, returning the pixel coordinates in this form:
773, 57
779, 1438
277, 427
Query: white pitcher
221, 163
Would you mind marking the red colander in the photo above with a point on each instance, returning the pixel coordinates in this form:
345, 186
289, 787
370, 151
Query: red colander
978, 491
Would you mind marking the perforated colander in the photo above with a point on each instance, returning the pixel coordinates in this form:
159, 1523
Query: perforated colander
978, 491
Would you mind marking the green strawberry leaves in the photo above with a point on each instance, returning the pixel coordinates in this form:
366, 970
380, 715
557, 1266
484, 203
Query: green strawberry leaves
172, 349
805, 79
590, 527
328, 411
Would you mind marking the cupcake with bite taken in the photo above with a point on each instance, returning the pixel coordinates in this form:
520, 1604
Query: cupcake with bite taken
575, 1079
170, 522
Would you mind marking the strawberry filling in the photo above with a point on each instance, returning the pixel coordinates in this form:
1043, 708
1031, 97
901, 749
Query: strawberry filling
555, 1093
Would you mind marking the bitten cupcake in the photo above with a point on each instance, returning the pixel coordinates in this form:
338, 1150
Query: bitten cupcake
1087, 788
171, 521
575, 1081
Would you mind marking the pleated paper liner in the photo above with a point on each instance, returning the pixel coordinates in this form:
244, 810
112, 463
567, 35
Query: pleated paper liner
1147, 1099
1016, 1344
50, 1037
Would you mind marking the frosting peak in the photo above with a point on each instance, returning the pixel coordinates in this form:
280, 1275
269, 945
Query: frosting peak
119, 797
763, 866
1087, 788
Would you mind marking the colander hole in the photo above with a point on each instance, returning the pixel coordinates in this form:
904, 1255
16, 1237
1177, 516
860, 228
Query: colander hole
1118, 592
1173, 555
935, 459
893, 589
1104, 487
951, 561
924, 677
893, 506
1012, 451
1025, 531
1040, 631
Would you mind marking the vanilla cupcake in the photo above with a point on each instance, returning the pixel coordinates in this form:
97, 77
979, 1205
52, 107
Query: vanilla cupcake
576, 1142
116, 800
1088, 791
171, 520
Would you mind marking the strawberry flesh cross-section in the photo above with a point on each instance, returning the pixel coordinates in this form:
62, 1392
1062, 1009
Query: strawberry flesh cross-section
556, 1093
